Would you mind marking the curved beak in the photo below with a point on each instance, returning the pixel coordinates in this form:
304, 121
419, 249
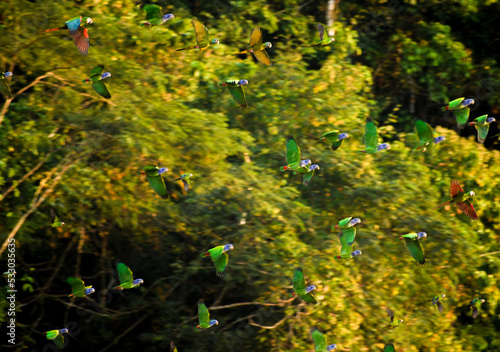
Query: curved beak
471, 123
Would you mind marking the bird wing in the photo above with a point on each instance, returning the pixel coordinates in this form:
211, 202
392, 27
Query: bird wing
216, 252
96, 72
349, 235
468, 209
186, 184
298, 282
455, 188
4, 88
101, 89
390, 313
424, 131
53, 216
345, 222
416, 250
201, 33
153, 11
330, 136
238, 95
262, 56
59, 341
336, 145
482, 132
475, 312
371, 135
440, 306
81, 39
76, 284
306, 179
321, 31
454, 103
124, 273
172, 347
292, 151
158, 184
309, 297
203, 315
389, 348
319, 340
256, 37
462, 116
221, 264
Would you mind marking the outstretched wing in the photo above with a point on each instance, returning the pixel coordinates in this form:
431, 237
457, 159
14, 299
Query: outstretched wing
298, 282
203, 315
292, 151
201, 33
53, 216
416, 250
440, 306
238, 95
390, 313
124, 273
309, 297
468, 209
262, 56
462, 116
76, 284
321, 31
101, 89
349, 235
4, 88
389, 348
256, 37
153, 11
306, 179
221, 264
482, 132
59, 341
82, 40
96, 72
424, 131
216, 252
319, 340
158, 184
455, 188
371, 135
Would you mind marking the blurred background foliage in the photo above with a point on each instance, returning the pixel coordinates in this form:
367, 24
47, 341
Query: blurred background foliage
63, 147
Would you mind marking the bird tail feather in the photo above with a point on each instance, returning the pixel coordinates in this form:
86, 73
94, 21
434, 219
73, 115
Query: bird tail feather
187, 48
284, 168
52, 29
448, 202
444, 108
242, 52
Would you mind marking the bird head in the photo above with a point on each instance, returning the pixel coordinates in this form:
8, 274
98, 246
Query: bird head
354, 221
167, 17
483, 300
472, 194
187, 175
310, 288
105, 75
384, 146
439, 139
242, 82
343, 136
313, 167
89, 20
88, 291
490, 120
63, 223
7, 74
228, 247
421, 235
332, 39
305, 162
215, 41
161, 170
400, 320
137, 282
331, 348
443, 295
467, 102
214, 322
63, 331
355, 253
268, 45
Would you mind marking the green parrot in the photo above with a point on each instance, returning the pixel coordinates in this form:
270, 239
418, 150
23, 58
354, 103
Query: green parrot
156, 181
172, 347
414, 246
219, 257
204, 317
236, 90
293, 156
371, 139
4, 87
346, 251
335, 138
202, 39
437, 300
97, 78
460, 110
307, 172
482, 124
79, 34
257, 47
461, 199
78, 287
394, 321
320, 341
57, 336
154, 16
347, 227
323, 40
300, 289
55, 220
475, 304
185, 180
426, 135
389, 348
126, 278
6, 274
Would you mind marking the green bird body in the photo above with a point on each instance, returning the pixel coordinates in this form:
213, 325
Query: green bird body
219, 257
414, 247
154, 16
335, 138
300, 289
126, 276
482, 125
4, 86
293, 156
80, 35
347, 241
436, 300
324, 40
320, 341
461, 199
57, 336
202, 37
426, 135
308, 173
460, 108
154, 176
204, 316
97, 78
371, 139
348, 230
475, 304
55, 219
237, 91
394, 320
389, 348
185, 180
78, 287
258, 47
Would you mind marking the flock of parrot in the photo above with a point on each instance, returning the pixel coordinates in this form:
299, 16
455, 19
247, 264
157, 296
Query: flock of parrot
78, 31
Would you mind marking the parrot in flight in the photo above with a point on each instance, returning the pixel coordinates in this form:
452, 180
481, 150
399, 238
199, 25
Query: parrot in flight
324, 40
80, 35
307, 172
236, 90
97, 78
461, 199
4, 86
126, 278
154, 16
78, 287
257, 47
335, 138
202, 38
371, 139
293, 156
437, 300
219, 257
320, 341
347, 227
426, 135
204, 317
460, 108
55, 220
57, 336
482, 125
414, 246
156, 181
346, 237
300, 289
475, 304
394, 321
185, 180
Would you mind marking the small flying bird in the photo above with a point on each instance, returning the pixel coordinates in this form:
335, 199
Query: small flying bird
55, 220
97, 78
307, 172
346, 251
202, 38
204, 317
6, 274
475, 304
347, 227
236, 90
482, 124
219, 257
57, 336
300, 289
426, 135
320, 341
461, 199
293, 156
126, 278
257, 47
394, 321
185, 180
172, 347
389, 348
460, 108
371, 139
156, 181
78, 287
323, 40
154, 16
335, 138
414, 246
4, 87
79, 34
437, 300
